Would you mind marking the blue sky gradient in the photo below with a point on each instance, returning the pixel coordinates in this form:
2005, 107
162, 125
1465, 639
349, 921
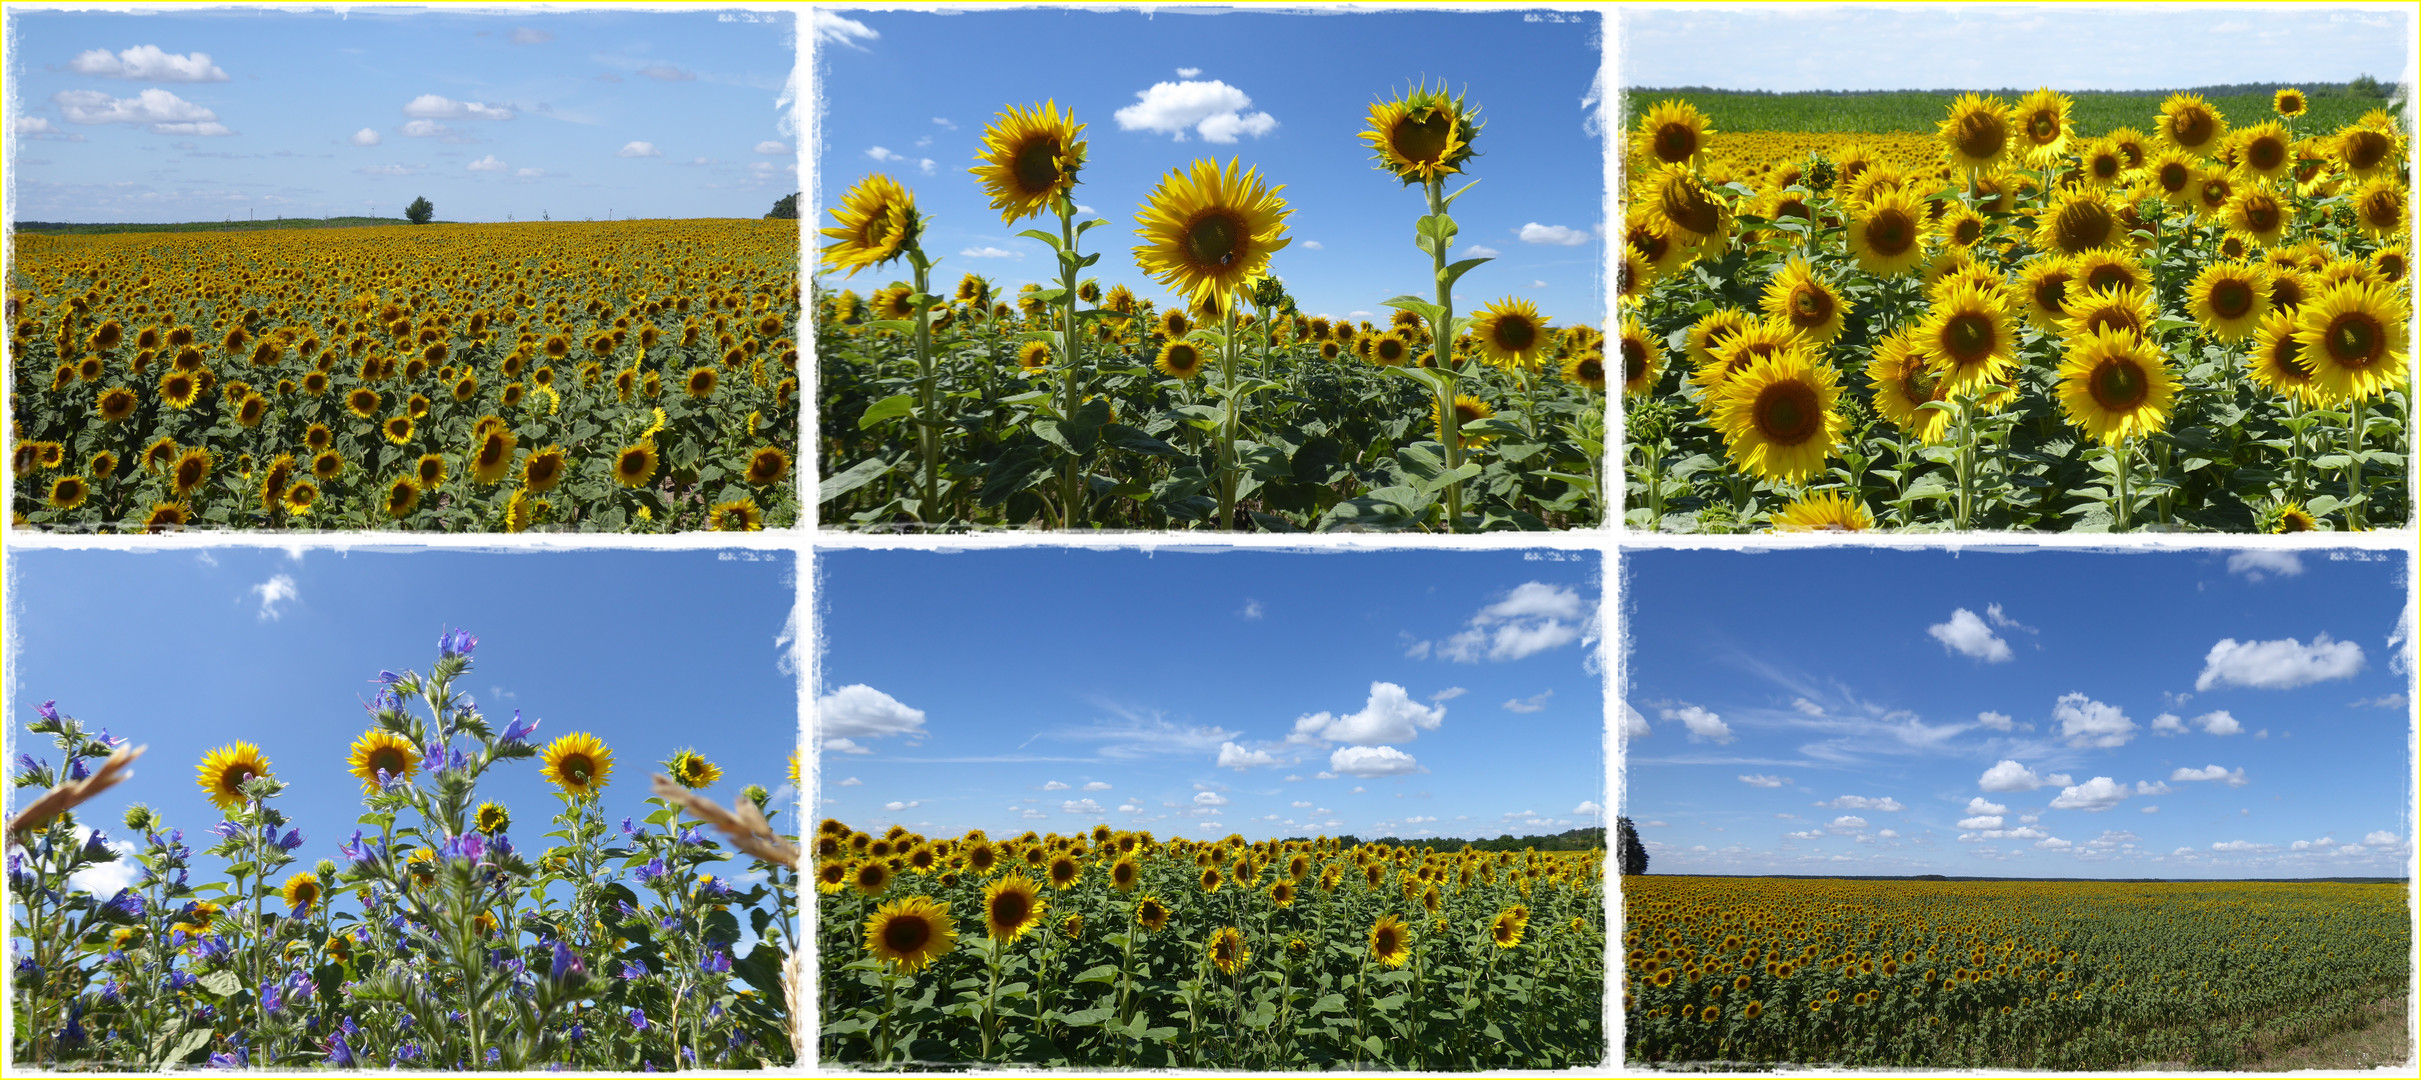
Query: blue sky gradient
187, 651
203, 115
1435, 693
2047, 714
910, 93
1786, 47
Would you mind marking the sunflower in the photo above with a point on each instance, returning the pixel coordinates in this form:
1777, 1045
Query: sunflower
1977, 134
691, 770
2122, 308
2365, 151
1030, 159
1505, 931
2352, 335
2079, 220
1180, 360
68, 492
1903, 381
2379, 208
870, 877
700, 383
1888, 234
542, 469
578, 763
2230, 299
1712, 330
403, 497
1760, 339
1151, 914
116, 403
492, 817
1586, 369
875, 223
635, 465
1967, 336
1777, 415
430, 471
1423, 135
1510, 332
2213, 189
1390, 941
301, 893
2046, 281
767, 465
2171, 174
1961, 227
2044, 127
1211, 879
2102, 162
1034, 356
1810, 304
910, 933
301, 496
191, 471
1675, 132
1227, 951
2263, 152
2190, 124
179, 389
1467, 410
225, 769
1210, 233
2256, 214
1829, 511
1012, 906
2277, 358
2115, 386
1064, 871
738, 515
2391, 264
362, 402
1690, 212
2289, 517
2109, 268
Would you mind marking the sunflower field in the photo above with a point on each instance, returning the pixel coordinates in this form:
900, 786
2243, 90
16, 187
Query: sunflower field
2058, 976
1119, 950
611, 376
432, 940
1082, 406
2010, 322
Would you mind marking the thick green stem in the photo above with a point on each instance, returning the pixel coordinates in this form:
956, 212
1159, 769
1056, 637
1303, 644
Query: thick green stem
2125, 465
1228, 422
1441, 332
1072, 494
2360, 416
928, 433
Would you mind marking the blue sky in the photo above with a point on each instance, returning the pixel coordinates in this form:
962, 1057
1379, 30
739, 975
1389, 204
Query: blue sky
187, 651
2048, 714
904, 89
1267, 693
206, 115
1784, 47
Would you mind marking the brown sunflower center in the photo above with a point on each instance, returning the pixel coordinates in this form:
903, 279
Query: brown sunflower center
2379, 208
2261, 213
2191, 128
1688, 205
1810, 306
1967, 231
631, 463
1675, 142
2106, 166
1788, 412
907, 933
1968, 338
1592, 370
232, 781
1010, 909
1981, 136
1890, 233
2118, 384
2232, 298
2215, 192
2114, 317
1215, 238
2043, 126
2354, 340
2286, 361
2364, 148
576, 768
1036, 165
2265, 153
1918, 383
1634, 360
1422, 140
1515, 333
2082, 226
190, 472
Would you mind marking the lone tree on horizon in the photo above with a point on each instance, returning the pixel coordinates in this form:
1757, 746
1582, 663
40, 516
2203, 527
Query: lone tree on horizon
420, 211
1634, 853
785, 208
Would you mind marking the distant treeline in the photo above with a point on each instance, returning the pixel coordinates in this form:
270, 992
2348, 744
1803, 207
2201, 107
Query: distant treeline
1573, 840
74, 228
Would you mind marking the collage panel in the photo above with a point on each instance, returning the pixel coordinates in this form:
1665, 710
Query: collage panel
2082, 286
2070, 811
1237, 810
402, 810
393, 270
1304, 315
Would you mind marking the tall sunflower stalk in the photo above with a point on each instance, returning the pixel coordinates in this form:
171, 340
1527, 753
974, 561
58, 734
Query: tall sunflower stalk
878, 222
1029, 162
1424, 136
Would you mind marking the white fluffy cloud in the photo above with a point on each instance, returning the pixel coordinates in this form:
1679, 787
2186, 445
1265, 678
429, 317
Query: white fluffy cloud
441, 107
2095, 795
366, 137
1995, 721
148, 63
852, 782
1981, 821
1978, 805
2011, 776
1886, 804
2087, 722
773, 146
1232, 756
488, 164
861, 711
163, 112
638, 149
1372, 761
1588, 807
1634, 726
2278, 665
1763, 781
275, 593
2234, 777
1558, 235
2255, 565
1389, 715
1846, 823
831, 29
1531, 704
2168, 724
2218, 723
1966, 633
1213, 110
2381, 838
1080, 806
1096, 785
1532, 619
1054, 785
1209, 798
1704, 726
